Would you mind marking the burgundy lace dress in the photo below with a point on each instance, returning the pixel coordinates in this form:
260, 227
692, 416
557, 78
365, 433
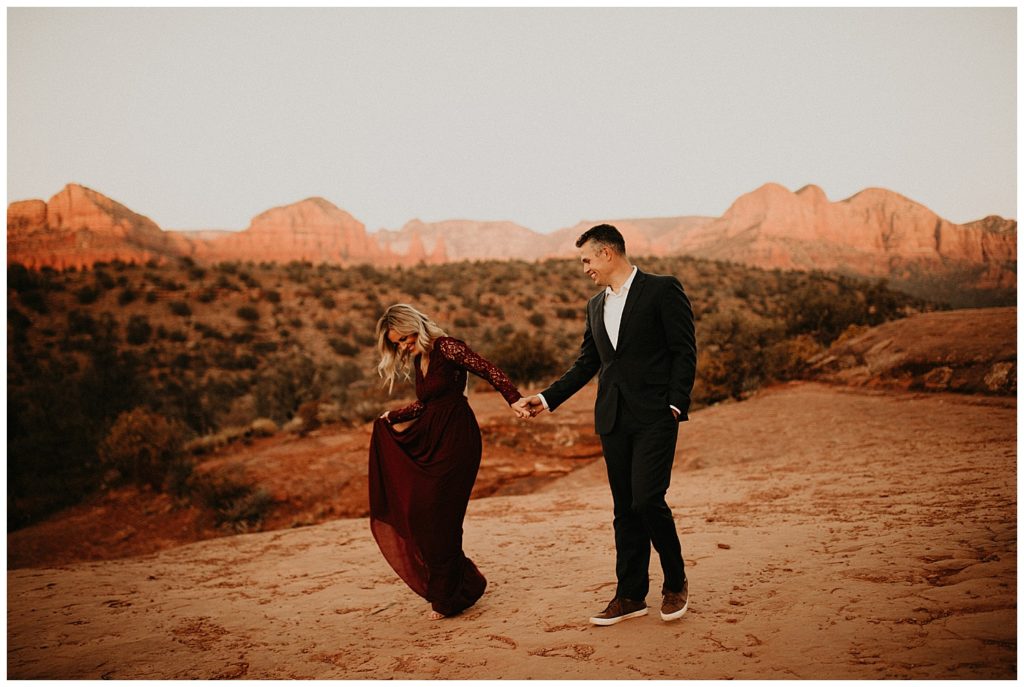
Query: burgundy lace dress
421, 478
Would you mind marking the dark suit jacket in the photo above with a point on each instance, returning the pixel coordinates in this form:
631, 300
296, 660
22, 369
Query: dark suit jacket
654, 364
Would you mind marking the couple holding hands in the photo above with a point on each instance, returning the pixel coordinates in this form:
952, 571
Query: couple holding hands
639, 341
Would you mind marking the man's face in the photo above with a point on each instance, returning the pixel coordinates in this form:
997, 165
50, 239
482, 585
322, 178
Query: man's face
596, 261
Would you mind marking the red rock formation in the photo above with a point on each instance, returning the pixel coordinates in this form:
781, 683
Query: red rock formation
313, 229
875, 233
866, 234
464, 240
79, 227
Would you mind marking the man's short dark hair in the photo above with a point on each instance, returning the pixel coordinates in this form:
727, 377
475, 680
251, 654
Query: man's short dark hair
606, 235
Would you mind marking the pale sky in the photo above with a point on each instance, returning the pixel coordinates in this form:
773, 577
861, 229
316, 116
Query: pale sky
203, 118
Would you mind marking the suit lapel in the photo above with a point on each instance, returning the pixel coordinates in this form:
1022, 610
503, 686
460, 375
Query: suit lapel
631, 298
600, 331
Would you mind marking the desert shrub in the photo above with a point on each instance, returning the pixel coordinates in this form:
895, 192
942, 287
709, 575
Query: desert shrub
237, 504
337, 380
17, 320
145, 448
286, 381
328, 302
80, 322
208, 332
21, 279
151, 297
104, 281
525, 358
537, 319
248, 313
244, 336
789, 358
308, 415
264, 347
226, 359
343, 347
491, 310
138, 330
180, 308
567, 313
264, 427
224, 282
207, 295
365, 338
272, 296
126, 296
87, 294
35, 299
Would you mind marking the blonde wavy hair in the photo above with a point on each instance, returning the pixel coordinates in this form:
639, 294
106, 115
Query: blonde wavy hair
403, 320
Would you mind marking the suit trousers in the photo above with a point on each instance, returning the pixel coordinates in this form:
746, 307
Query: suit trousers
638, 454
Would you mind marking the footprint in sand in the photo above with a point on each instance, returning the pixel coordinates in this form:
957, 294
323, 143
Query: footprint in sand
579, 652
199, 633
507, 641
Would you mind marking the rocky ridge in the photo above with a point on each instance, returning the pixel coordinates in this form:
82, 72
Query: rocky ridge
876, 233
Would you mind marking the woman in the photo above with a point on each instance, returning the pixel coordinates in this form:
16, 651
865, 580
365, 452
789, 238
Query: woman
421, 476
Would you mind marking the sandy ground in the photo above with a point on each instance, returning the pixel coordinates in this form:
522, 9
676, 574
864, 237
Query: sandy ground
828, 532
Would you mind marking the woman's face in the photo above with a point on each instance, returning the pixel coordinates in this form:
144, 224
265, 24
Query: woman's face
404, 343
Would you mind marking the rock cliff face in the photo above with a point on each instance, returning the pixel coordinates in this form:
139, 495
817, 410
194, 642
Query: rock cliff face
454, 240
313, 229
79, 227
875, 233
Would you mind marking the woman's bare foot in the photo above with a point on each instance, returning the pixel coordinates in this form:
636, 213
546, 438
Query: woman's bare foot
434, 615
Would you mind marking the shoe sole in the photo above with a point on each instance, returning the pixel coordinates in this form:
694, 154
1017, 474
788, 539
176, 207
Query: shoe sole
619, 618
678, 614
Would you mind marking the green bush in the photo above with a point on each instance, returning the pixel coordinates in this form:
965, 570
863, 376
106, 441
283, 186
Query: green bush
145, 448
87, 294
525, 358
343, 347
248, 313
36, 300
180, 308
236, 503
138, 330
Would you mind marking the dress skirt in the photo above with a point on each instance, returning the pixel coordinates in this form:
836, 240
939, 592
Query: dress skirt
420, 481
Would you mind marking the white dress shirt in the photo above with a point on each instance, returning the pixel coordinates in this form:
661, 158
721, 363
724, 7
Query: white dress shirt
614, 304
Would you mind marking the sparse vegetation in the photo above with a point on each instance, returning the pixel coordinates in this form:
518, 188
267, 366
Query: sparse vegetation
202, 362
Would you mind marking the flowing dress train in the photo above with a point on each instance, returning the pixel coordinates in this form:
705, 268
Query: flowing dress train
421, 478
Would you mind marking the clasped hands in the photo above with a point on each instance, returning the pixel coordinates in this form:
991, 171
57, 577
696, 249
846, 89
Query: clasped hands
528, 406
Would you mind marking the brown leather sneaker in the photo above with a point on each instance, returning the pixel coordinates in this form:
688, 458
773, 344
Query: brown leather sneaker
675, 604
619, 610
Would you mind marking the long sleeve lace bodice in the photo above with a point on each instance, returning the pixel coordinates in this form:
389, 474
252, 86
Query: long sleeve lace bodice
453, 353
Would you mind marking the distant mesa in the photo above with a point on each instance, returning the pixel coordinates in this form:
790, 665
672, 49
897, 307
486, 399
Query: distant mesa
875, 233
79, 227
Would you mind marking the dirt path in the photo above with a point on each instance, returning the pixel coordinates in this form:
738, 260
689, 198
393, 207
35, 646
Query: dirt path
829, 533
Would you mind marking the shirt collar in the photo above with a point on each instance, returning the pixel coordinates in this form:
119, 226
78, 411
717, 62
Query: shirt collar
625, 285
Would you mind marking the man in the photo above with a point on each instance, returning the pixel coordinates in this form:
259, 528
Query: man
640, 341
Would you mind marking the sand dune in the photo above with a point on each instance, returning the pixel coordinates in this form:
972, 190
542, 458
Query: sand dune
828, 533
